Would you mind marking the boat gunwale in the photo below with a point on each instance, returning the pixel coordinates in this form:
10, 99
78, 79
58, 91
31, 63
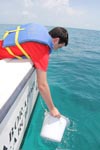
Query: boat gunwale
4, 110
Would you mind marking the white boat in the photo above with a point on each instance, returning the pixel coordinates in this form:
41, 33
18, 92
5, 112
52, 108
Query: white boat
18, 94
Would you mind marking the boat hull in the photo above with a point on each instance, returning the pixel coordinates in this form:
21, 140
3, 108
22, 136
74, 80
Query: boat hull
15, 114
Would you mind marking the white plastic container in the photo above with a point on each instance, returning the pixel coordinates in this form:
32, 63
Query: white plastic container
53, 128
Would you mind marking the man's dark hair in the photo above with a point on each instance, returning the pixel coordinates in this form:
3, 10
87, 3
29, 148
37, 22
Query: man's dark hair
61, 33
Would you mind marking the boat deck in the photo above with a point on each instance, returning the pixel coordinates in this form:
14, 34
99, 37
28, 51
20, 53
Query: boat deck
12, 71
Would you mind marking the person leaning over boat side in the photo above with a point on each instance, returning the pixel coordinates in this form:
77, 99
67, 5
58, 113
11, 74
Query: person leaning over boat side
36, 43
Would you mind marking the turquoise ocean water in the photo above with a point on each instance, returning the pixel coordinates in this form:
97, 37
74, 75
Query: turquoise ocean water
74, 79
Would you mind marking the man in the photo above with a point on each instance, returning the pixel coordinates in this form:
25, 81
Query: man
34, 42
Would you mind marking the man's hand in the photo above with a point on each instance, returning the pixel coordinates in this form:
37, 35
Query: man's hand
55, 113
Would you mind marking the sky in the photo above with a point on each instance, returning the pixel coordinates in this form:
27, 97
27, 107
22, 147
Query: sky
83, 14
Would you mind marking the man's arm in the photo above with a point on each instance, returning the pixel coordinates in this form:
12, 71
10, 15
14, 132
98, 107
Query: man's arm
45, 92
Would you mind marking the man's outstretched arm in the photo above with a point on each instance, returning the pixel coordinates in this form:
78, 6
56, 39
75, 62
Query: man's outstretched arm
45, 92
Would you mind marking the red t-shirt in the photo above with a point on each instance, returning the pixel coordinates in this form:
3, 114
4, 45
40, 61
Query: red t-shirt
39, 53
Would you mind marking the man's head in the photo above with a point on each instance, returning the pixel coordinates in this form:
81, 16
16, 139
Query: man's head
59, 36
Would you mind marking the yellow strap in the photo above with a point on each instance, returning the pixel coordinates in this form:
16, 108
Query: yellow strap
11, 53
16, 42
18, 45
5, 35
10, 31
